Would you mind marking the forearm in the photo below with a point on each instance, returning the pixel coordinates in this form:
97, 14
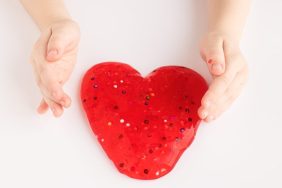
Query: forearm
228, 17
46, 12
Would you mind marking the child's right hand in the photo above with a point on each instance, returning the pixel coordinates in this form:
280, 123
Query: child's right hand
53, 59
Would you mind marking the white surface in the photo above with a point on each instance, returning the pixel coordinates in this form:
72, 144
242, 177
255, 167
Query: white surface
241, 149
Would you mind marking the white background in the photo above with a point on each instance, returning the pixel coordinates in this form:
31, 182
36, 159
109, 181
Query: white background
241, 149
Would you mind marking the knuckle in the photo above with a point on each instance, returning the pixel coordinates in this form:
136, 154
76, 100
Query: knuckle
224, 80
55, 41
54, 93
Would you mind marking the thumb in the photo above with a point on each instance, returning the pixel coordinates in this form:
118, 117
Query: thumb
56, 47
213, 55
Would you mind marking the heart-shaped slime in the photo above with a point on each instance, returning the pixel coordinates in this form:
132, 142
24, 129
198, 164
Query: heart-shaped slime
143, 124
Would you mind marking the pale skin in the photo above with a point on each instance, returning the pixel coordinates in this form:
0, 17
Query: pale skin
54, 54
221, 51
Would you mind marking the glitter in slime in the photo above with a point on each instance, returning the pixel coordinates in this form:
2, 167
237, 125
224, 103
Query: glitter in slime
143, 124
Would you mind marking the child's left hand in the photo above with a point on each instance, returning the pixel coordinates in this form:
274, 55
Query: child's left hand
229, 70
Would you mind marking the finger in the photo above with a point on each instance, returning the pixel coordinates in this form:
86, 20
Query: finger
54, 91
202, 112
56, 109
213, 109
43, 107
236, 87
65, 101
234, 90
56, 46
213, 54
215, 96
221, 83
229, 96
209, 119
217, 110
235, 68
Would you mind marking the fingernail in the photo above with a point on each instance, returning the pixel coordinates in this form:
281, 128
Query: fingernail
210, 61
210, 118
217, 67
204, 114
52, 53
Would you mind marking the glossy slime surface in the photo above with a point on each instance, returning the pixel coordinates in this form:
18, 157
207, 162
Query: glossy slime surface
143, 124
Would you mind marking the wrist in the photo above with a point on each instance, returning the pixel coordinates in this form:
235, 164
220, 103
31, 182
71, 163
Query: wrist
59, 23
53, 20
232, 38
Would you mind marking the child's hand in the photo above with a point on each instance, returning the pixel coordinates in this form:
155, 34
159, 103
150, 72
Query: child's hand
53, 59
229, 70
